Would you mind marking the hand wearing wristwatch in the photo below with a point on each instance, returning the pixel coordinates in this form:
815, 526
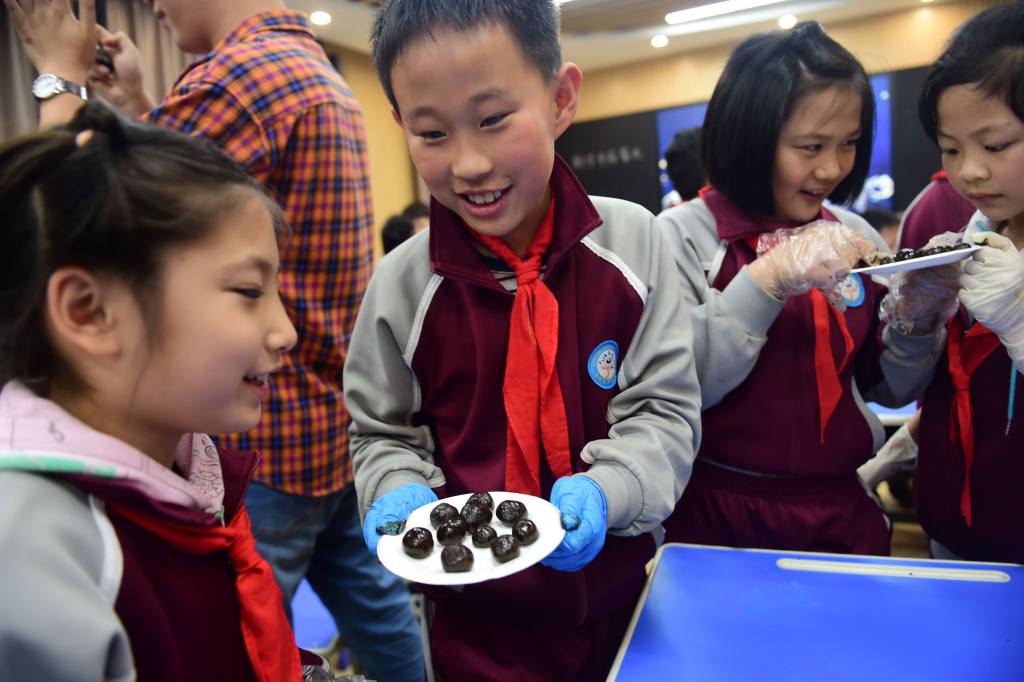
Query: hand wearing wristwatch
47, 85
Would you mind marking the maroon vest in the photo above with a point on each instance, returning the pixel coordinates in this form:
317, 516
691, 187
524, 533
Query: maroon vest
770, 422
180, 611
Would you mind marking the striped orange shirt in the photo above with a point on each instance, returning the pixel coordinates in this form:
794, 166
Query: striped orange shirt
270, 98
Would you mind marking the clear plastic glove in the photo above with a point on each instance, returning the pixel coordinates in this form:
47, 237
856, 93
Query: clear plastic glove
388, 513
993, 291
818, 255
921, 301
585, 520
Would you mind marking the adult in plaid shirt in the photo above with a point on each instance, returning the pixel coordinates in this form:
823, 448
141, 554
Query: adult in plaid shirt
266, 93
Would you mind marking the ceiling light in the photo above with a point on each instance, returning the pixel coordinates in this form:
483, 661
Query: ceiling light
320, 18
659, 41
787, 21
562, 2
714, 9
926, 1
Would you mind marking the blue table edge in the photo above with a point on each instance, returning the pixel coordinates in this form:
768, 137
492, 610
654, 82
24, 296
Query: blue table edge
881, 560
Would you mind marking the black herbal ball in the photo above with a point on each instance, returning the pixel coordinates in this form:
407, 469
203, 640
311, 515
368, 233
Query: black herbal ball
442, 513
452, 531
418, 543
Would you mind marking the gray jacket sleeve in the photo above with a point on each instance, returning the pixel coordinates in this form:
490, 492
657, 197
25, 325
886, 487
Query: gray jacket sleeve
654, 421
381, 391
59, 578
730, 327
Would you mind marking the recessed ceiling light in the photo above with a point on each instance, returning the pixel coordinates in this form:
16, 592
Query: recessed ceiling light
714, 9
787, 21
320, 18
659, 41
926, 1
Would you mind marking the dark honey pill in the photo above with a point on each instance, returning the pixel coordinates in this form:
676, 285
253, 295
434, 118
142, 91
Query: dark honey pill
475, 515
525, 531
456, 559
482, 499
505, 548
511, 511
442, 513
452, 531
418, 543
484, 536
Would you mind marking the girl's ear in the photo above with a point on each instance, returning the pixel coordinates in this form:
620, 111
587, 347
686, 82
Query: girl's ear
83, 311
567, 96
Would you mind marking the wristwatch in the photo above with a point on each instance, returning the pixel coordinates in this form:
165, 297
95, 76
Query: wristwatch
48, 85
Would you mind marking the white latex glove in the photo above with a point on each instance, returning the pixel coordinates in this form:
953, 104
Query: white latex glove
921, 301
818, 255
993, 291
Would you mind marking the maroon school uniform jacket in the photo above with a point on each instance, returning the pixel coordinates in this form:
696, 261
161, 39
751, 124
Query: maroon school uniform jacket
755, 354
936, 209
996, 532
423, 382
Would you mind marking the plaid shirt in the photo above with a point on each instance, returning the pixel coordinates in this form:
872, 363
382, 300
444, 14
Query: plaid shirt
268, 96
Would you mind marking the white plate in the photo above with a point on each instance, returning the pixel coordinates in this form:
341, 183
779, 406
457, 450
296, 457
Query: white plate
485, 567
918, 263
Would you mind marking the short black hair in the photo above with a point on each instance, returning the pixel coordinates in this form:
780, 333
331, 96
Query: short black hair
988, 50
880, 217
416, 210
766, 75
396, 230
533, 24
682, 163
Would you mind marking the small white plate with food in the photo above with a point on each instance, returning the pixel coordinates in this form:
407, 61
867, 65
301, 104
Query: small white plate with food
444, 543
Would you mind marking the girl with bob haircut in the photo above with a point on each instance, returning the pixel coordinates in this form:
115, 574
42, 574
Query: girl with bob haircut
788, 343
138, 311
971, 438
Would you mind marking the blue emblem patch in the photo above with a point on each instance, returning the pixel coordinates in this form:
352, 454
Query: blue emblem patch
603, 364
852, 290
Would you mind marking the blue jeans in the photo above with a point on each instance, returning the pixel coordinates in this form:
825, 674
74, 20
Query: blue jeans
321, 539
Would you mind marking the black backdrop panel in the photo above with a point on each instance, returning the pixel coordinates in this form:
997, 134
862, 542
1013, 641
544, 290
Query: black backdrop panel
616, 157
914, 156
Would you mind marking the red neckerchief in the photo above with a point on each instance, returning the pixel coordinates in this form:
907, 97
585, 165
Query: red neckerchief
533, 396
966, 352
825, 370
265, 629
940, 176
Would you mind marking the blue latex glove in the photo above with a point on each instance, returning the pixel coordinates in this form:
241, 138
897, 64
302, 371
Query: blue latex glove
388, 513
585, 520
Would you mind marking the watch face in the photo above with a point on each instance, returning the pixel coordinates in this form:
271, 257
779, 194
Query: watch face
47, 85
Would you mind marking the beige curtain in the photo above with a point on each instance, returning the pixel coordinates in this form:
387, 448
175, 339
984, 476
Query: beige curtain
18, 112
162, 61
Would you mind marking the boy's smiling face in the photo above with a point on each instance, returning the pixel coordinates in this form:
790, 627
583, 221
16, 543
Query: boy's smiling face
481, 124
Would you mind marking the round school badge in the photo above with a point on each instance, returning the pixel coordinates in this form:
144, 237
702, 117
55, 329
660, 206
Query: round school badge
603, 364
852, 290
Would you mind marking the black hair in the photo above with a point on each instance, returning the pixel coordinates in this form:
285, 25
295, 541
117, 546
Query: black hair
682, 163
533, 24
880, 217
987, 50
106, 194
416, 210
396, 230
765, 77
